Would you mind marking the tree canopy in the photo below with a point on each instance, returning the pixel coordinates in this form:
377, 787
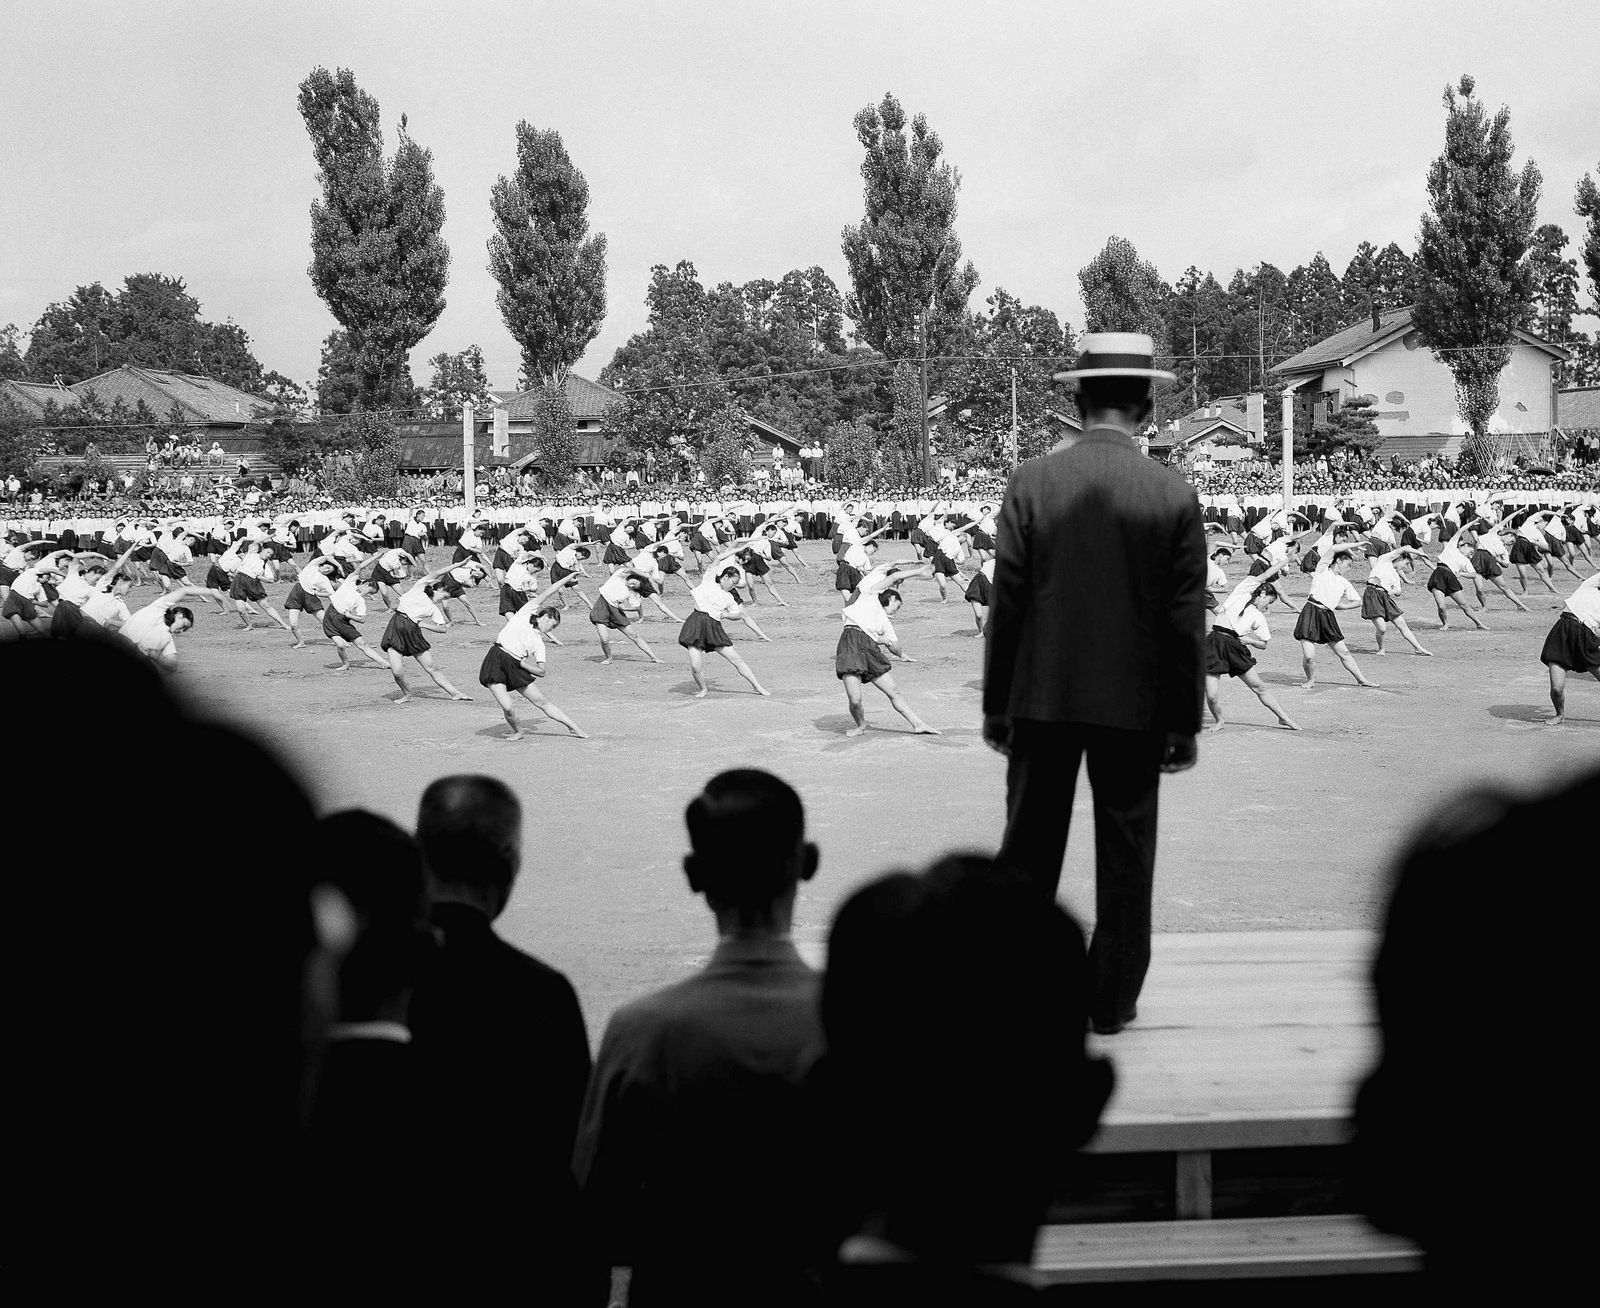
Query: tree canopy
904, 256
151, 322
458, 379
551, 273
1588, 206
1475, 286
378, 256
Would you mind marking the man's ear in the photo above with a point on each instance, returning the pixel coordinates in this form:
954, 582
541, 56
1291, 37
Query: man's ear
810, 856
691, 869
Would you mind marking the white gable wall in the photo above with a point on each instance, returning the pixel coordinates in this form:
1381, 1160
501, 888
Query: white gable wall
1416, 394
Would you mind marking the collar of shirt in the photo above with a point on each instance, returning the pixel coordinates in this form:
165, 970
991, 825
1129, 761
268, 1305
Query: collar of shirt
394, 1031
768, 951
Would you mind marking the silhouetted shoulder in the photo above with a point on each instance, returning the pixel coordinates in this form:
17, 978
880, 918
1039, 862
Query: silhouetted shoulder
532, 973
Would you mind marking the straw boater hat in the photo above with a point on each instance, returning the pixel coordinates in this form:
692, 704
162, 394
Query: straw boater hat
1116, 354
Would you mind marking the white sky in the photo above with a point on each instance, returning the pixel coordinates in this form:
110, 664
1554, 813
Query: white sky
164, 136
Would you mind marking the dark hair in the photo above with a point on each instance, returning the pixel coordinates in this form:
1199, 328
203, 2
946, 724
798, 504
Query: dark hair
746, 829
551, 612
1099, 393
378, 867
885, 596
469, 828
179, 611
729, 571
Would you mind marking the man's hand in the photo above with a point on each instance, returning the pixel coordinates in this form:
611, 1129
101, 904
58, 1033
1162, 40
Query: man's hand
1182, 753
997, 733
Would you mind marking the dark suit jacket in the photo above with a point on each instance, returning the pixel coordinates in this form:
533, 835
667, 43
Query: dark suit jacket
502, 1061
1097, 613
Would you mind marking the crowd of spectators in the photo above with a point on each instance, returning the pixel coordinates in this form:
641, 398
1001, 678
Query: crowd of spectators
309, 1061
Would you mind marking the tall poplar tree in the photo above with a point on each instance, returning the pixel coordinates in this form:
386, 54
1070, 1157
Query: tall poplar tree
904, 256
378, 258
551, 272
1475, 288
1588, 206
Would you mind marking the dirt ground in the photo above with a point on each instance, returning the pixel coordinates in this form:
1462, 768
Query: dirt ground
1272, 830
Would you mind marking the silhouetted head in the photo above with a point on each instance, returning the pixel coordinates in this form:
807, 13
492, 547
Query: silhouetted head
469, 828
955, 1007
748, 848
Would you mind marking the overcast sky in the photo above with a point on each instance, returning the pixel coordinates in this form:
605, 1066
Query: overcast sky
164, 136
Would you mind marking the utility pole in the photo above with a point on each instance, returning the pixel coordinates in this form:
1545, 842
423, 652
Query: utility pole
1194, 365
468, 485
1288, 448
1013, 418
926, 472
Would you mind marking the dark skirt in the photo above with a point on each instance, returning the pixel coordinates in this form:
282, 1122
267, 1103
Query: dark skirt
1376, 602
8, 575
335, 626
217, 579
450, 586
18, 605
755, 565
381, 576
982, 540
944, 565
615, 554
1309, 560
978, 590
1525, 551
1226, 654
1558, 544
606, 614
404, 636
919, 538
1258, 565
847, 578
558, 573
511, 599
702, 631
500, 669
1211, 601
1377, 545
67, 620
246, 588
858, 655
462, 554
1571, 645
165, 567
1318, 625
1444, 580
1486, 565
298, 598
414, 546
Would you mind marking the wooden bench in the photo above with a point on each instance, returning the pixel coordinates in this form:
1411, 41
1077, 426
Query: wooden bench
1240, 1249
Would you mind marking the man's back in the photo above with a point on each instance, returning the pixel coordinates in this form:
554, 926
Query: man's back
692, 1152
1098, 592
502, 1062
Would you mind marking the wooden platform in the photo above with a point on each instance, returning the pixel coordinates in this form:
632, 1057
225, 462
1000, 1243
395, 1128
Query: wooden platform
1243, 1249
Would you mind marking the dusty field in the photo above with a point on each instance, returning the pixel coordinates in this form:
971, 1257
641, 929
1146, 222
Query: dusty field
1272, 830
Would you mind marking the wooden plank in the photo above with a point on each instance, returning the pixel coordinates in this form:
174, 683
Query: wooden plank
1242, 1131
1241, 1249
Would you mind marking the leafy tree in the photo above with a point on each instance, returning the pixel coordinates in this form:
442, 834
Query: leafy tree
552, 274
1316, 301
1397, 277
72, 340
19, 438
725, 451
852, 454
900, 454
1122, 293
1555, 296
1476, 288
11, 362
287, 397
1588, 206
458, 379
1361, 287
555, 434
378, 258
338, 380
904, 256
1349, 428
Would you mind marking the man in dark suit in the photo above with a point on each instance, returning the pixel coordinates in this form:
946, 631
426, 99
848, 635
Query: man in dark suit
1095, 639
502, 1062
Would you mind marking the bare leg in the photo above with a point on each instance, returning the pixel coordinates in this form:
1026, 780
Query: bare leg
1308, 663
640, 642
277, 617
1269, 701
734, 657
885, 683
399, 678
979, 612
502, 697
858, 711
1405, 630
439, 679
1214, 699
1379, 626
1342, 652
697, 669
605, 643
1462, 605
551, 711
1558, 693
1438, 603
771, 591
1500, 586
361, 644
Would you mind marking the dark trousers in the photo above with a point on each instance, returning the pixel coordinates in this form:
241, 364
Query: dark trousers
1124, 773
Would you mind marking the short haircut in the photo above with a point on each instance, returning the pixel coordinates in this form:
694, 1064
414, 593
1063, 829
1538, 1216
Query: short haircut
1098, 393
469, 827
728, 572
554, 614
180, 611
746, 829
885, 596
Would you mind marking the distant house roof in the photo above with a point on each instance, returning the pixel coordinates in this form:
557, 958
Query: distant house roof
1070, 421
588, 399
200, 400
31, 397
1220, 419
1578, 408
1345, 347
